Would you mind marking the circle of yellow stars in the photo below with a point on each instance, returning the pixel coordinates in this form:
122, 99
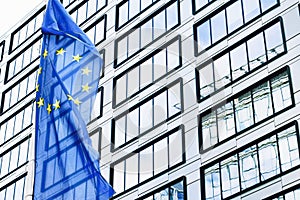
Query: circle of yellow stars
56, 105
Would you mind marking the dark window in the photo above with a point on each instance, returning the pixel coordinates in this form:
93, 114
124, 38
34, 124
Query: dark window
14, 189
228, 19
256, 163
173, 190
128, 10
147, 115
16, 123
15, 157
145, 33
19, 91
155, 158
161, 62
240, 59
250, 107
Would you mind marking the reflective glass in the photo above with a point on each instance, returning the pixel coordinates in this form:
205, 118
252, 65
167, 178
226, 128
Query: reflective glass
212, 183
274, 41
131, 175
248, 167
175, 148
230, 176
225, 116
123, 13
288, 148
222, 71
200, 3
281, 92
209, 130
159, 24
160, 108
251, 9
243, 112
268, 158
206, 80
134, 8
119, 177
146, 164
218, 26
160, 156
172, 19
262, 102
256, 51
234, 16
174, 100
239, 62
203, 33
267, 4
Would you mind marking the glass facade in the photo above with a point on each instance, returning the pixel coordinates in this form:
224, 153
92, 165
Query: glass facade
197, 99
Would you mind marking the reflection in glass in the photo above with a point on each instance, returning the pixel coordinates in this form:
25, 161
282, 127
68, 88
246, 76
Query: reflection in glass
248, 167
209, 130
176, 191
234, 16
288, 147
268, 158
239, 62
251, 9
218, 26
162, 195
203, 33
274, 41
225, 121
230, 176
206, 79
256, 51
243, 111
262, 102
267, 4
222, 71
281, 91
212, 183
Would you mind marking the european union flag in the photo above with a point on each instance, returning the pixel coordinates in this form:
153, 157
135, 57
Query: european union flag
67, 167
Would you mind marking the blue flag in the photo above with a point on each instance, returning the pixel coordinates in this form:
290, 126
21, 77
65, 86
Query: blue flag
66, 167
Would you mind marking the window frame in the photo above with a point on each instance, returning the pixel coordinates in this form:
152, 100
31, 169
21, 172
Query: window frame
137, 65
24, 175
144, 21
137, 151
2, 47
239, 150
283, 192
231, 99
103, 17
228, 34
195, 10
233, 47
164, 89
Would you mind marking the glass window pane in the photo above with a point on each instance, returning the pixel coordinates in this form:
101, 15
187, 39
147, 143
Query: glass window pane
10, 192
159, 24
234, 16
162, 195
281, 91
222, 71
248, 167
160, 64
122, 50
203, 34
119, 177
212, 182
262, 102
200, 3
230, 176
146, 33
175, 148
132, 124
174, 100
177, 191
173, 56
206, 79
160, 108
134, 8
218, 26
146, 164
288, 148
120, 88
145, 3
274, 41
243, 112
120, 131
256, 50
251, 9
131, 176
19, 191
172, 16
146, 73
225, 121
146, 118
133, 81
209, 130
267, 4
239, 62
268, 158
133, 42
160, 156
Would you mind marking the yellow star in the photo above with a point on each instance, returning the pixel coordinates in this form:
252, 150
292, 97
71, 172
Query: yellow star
40, 70
77, 102
85, 71
86, 88
45, 54
40, 102
56, 105
61, 51
77, 58
49, 108
37, 87
70, 98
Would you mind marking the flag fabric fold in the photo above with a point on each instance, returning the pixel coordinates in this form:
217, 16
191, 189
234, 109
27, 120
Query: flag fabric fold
67, 167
